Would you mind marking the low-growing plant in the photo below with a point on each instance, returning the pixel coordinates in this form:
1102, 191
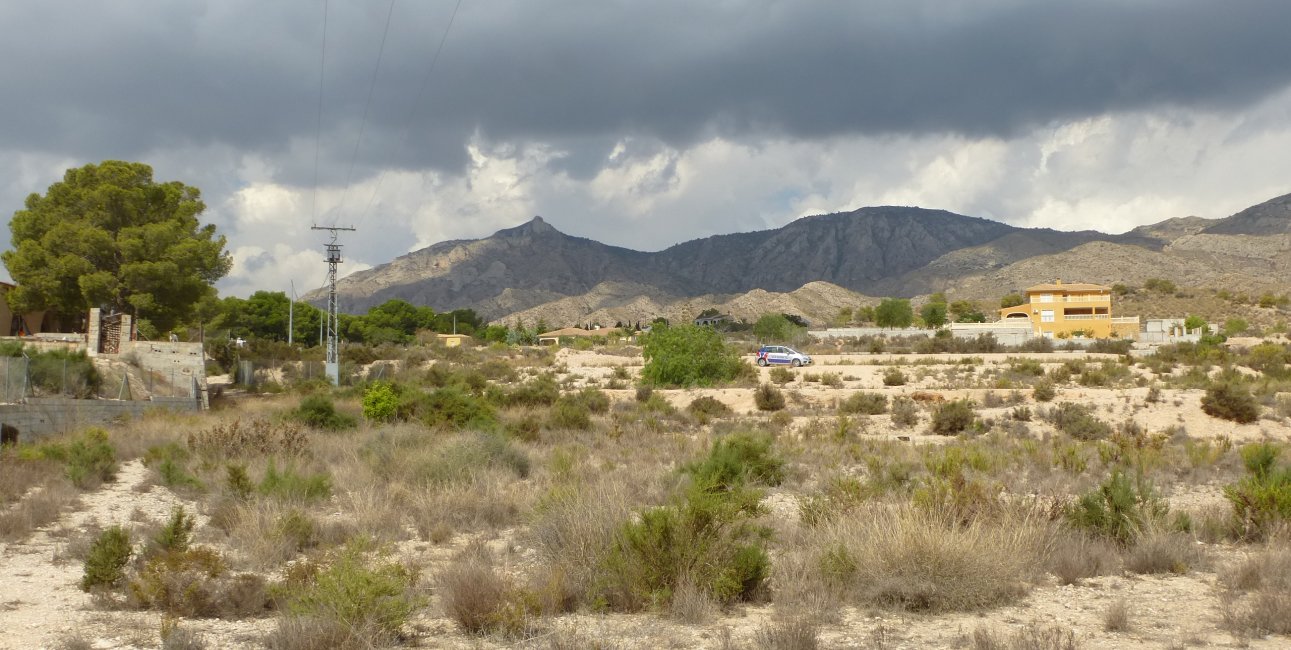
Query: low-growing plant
864, 403
735, 461
704, 539
569, 413
90, 459
905, 412
894, 377
380, 402
953, 417
106, 561
780, 375
1262, 499
768, 398
369, 596
1229, 400
289, 483
705, 408
176, 535
1043, 391
1078, 421
1119, 509
318, 411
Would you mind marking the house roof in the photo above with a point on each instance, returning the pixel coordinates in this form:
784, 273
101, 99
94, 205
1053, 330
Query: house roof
1068, 286
573, 331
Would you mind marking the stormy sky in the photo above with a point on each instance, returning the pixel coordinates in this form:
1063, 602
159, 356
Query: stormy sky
644, 124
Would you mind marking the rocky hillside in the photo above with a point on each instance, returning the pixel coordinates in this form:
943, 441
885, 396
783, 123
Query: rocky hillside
534, 270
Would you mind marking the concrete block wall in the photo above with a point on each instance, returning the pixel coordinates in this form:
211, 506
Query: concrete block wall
51, 415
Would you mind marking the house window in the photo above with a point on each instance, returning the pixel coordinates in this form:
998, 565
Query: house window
1046, 316
1046, 297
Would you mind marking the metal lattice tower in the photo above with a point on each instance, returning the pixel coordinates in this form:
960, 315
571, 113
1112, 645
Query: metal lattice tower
333, 364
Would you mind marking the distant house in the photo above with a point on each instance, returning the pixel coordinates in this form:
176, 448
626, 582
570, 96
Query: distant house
1063, 310
712, 321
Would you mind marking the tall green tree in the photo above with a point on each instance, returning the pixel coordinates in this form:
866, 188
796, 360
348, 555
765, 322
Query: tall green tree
933, 314
110, 236
894, 312
687, 355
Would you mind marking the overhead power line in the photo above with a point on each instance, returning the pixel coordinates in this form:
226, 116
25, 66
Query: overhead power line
412, 109
363, 123
318, 132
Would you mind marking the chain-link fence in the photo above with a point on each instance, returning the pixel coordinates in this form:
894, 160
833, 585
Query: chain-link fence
264, 373
77, 377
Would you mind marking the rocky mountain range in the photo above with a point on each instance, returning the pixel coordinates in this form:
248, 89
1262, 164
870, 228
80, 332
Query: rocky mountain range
814, 265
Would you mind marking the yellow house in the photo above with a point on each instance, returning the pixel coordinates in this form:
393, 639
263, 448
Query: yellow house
1064, 310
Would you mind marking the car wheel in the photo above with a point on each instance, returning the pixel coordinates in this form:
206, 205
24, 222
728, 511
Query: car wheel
797, 363
762, 362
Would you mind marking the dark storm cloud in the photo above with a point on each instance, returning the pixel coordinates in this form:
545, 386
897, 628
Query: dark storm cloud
121, 79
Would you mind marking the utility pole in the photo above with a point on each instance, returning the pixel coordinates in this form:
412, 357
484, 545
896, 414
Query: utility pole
333, 364
291, 313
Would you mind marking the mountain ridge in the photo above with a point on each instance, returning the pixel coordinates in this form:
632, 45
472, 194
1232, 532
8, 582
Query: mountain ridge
880, 250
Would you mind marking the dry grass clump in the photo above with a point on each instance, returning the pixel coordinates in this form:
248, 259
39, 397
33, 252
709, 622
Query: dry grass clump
483, 601
910, 558
255, 438
1161, 551
1257, 592
1032, 637
1076, 556
788, 634
40, 507
573, 529
491, 498
1117, 616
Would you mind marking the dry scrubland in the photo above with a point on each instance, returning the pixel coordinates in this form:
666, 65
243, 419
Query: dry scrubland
525, 498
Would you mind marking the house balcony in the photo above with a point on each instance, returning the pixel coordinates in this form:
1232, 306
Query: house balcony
1086, 317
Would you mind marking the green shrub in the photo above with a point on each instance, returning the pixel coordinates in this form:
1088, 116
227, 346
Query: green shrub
318, 411
1229, 400
894, 377
866, 403
91, 459
737, 460
953, 417
705, 407
768, 398
1119, 509
569, 413
63, 372
643, 393
176, 535
594, 399
705, 540
539, 391
196, 583
781, 375
1262, 499
1043, 391
688, 355
358, 592
905, 412
107, 558
171, 462
455, 408
238, 482
380, 403
288, 484
1078, 421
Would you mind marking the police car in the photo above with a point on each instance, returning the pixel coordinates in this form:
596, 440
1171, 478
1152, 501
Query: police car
779, 355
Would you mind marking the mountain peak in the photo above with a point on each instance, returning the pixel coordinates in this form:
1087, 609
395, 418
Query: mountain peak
534, 226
